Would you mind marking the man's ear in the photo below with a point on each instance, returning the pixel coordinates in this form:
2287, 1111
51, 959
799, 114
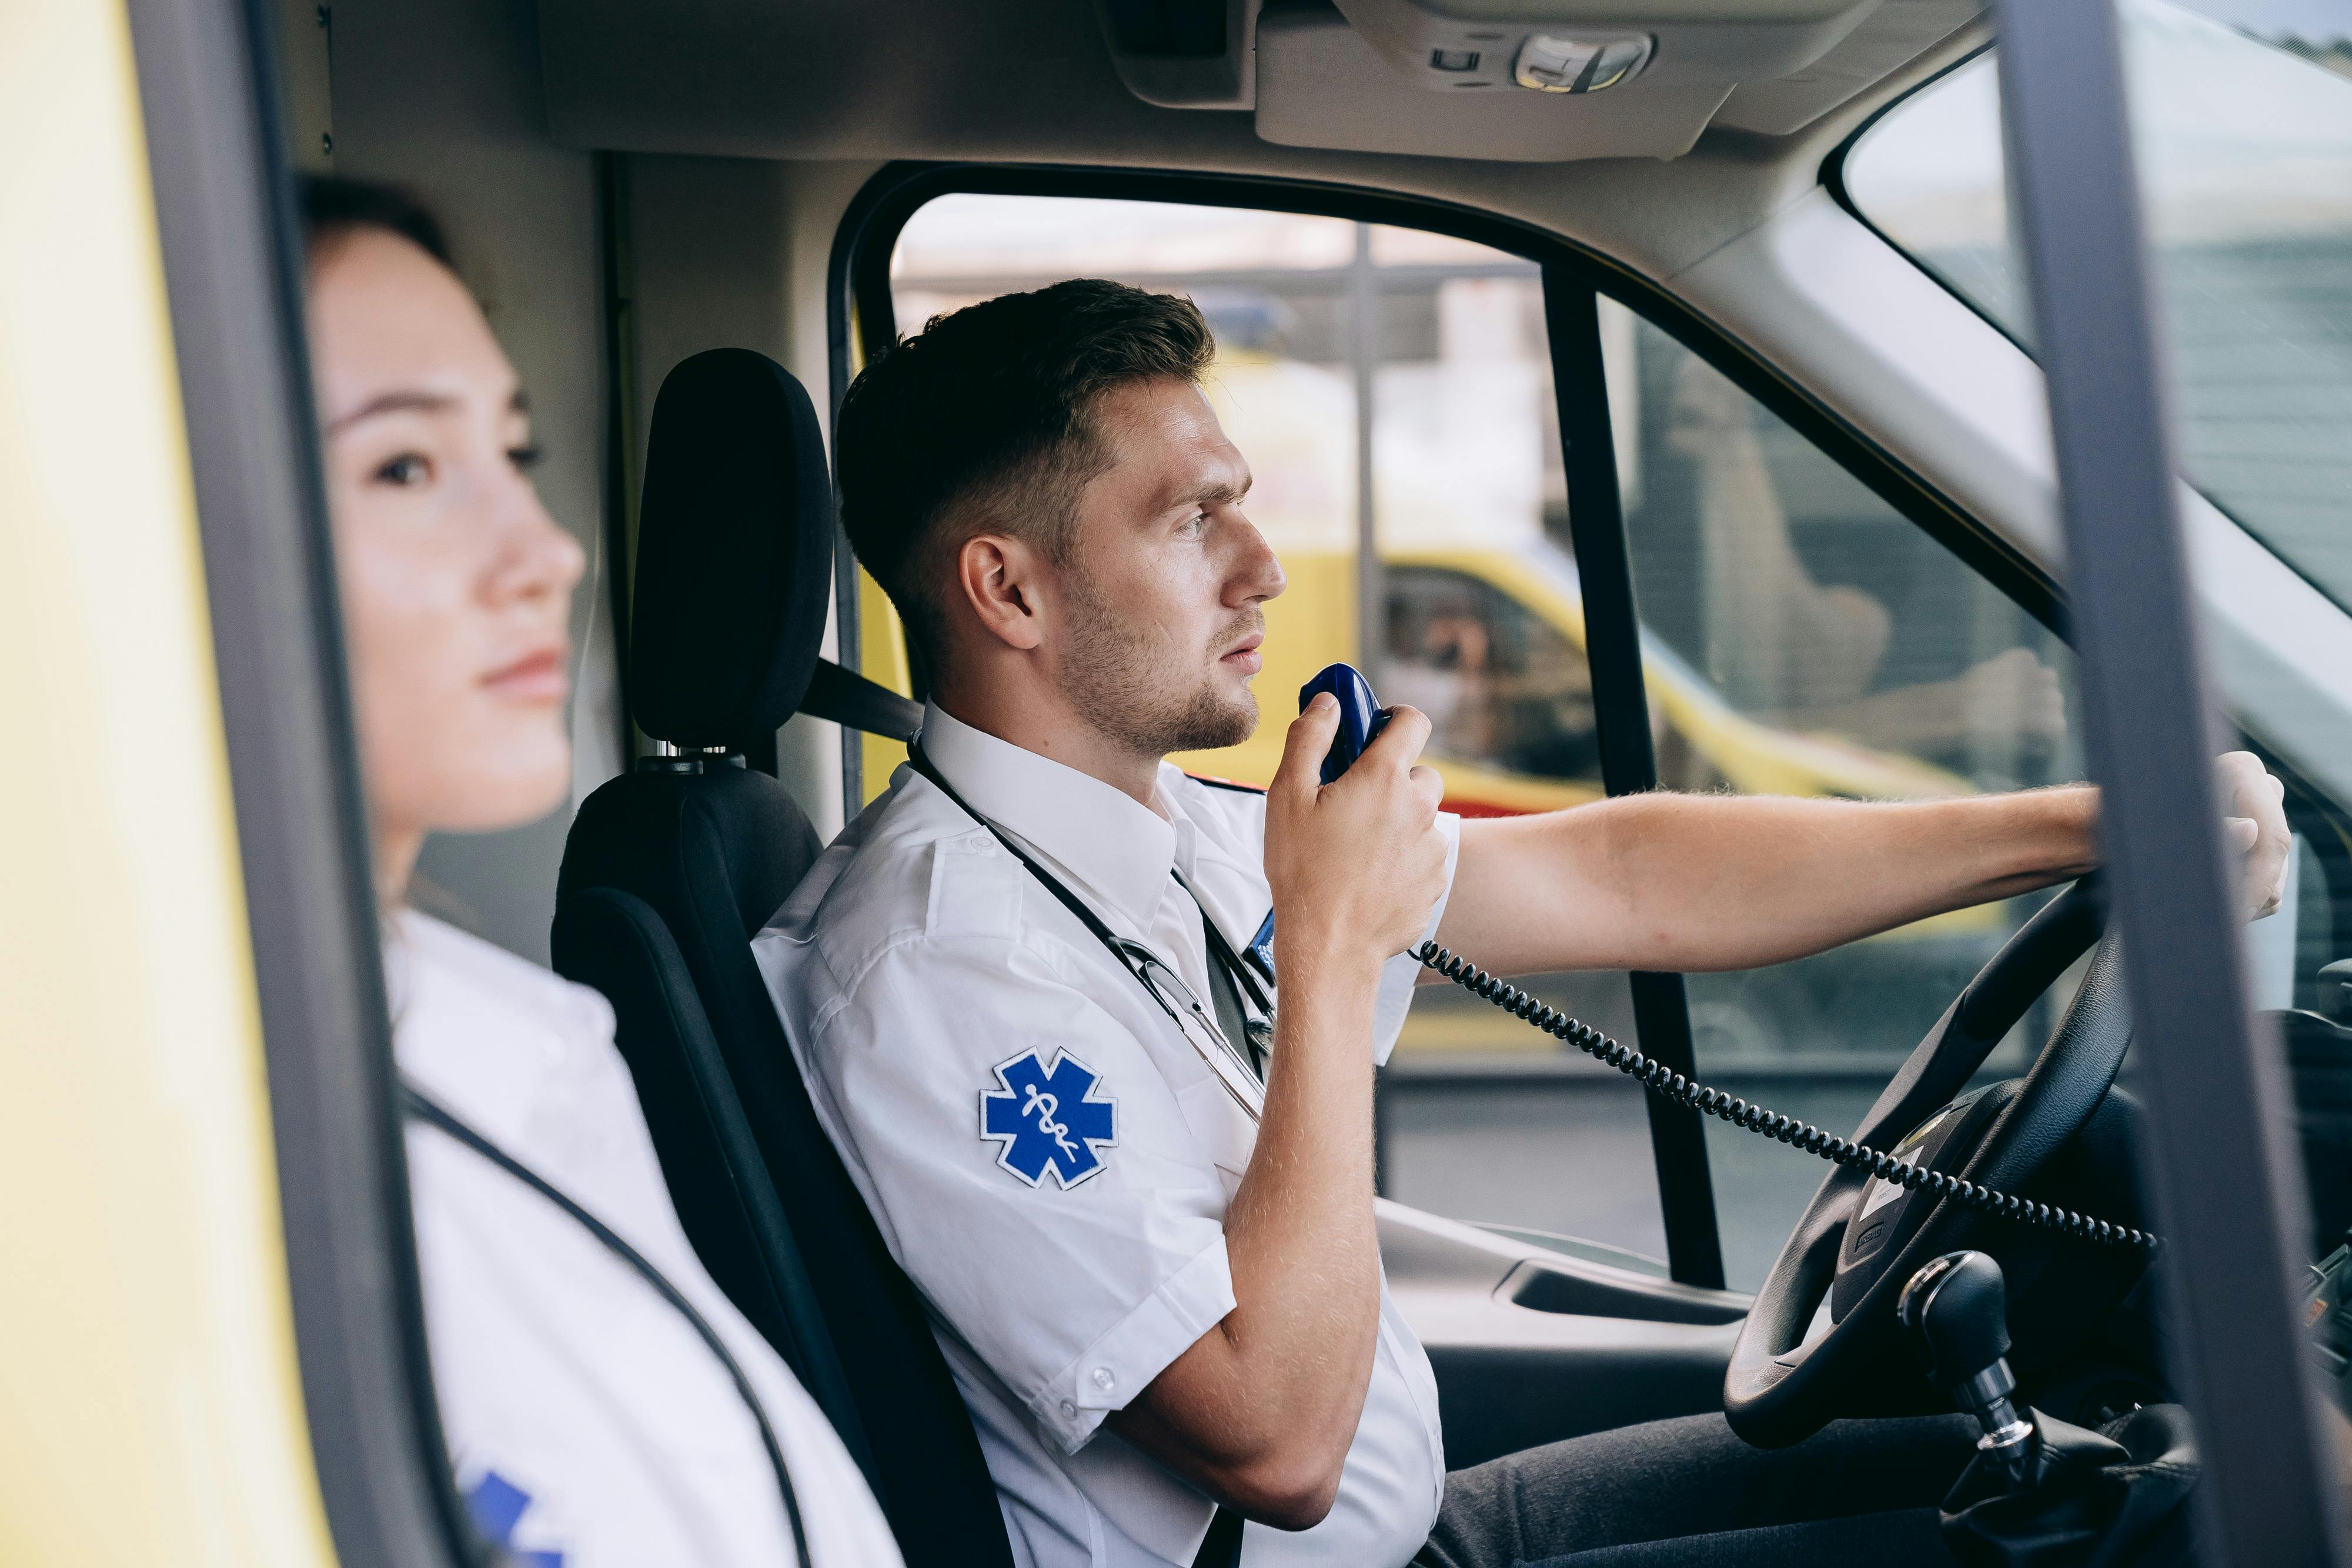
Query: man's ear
998, 577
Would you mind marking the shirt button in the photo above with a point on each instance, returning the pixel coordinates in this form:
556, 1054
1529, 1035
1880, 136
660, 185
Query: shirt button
1104, 1380
1069, 1410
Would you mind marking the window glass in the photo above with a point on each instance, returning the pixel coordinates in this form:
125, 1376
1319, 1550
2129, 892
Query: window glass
1503, 687
2245, 151
1392, 386
1806, 639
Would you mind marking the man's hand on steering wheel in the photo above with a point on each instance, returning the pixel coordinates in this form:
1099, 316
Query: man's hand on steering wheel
2256, 828
1789, 1371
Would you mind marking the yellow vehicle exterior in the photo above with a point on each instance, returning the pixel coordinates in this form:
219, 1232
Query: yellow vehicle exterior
150, 1407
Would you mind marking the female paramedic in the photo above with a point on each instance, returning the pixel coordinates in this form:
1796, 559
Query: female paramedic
604, 1402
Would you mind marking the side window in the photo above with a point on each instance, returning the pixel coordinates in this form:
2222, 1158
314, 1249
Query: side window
1804, 638
1393, 392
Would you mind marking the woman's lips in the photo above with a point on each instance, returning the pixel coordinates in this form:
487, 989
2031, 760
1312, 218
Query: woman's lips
538, 678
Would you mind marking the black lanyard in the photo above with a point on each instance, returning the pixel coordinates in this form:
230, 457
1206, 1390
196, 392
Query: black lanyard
1225, 965
430, 1112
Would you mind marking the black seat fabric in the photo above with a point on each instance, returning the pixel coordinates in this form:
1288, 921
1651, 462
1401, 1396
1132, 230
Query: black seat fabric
734, 567
710, 1154
669, 871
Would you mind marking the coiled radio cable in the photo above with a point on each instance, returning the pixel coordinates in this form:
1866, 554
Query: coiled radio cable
1675, 1088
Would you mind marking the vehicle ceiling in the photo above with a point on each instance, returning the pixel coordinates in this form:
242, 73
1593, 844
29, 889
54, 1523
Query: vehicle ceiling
1035, 82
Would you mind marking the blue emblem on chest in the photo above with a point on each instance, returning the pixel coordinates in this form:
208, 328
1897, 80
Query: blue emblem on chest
1261, 948
1048, 1119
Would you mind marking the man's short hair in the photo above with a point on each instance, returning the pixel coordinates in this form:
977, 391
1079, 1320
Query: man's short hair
982, 421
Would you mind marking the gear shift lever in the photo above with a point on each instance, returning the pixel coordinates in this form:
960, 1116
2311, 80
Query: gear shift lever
1957, 1311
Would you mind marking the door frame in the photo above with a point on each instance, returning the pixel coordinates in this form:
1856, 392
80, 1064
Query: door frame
2212, 1073
231, 243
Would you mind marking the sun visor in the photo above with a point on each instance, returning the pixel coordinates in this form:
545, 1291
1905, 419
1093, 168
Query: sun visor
1183, 54
1323, 83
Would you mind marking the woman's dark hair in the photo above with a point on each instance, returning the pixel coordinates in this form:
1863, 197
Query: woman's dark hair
984, 420
332, 207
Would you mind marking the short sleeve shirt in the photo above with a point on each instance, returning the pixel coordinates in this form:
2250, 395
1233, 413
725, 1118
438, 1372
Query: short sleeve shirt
590, 1425
1048, 1154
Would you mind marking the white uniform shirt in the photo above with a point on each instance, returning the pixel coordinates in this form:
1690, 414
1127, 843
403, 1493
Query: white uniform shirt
590, 1425
933, 990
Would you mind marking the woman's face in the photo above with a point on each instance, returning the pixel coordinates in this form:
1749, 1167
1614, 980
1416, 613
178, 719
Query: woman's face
456, 584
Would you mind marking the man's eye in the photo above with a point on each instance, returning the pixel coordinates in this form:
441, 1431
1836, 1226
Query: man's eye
407, 469
526, 457
1196, 524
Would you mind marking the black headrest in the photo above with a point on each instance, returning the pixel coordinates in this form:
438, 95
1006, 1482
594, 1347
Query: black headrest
734, 572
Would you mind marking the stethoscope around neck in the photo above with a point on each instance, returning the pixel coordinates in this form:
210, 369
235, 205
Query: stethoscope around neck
1243, 1078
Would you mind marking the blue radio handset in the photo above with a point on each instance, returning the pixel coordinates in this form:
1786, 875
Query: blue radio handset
1361, 717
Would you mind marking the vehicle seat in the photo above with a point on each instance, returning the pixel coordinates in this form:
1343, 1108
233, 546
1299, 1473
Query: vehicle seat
672, 867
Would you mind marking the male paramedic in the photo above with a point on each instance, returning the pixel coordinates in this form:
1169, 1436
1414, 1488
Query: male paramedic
1033, 991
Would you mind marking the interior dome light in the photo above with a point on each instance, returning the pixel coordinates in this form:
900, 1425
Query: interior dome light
1549, 64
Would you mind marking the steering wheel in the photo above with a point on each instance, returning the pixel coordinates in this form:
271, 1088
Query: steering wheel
1860, 1240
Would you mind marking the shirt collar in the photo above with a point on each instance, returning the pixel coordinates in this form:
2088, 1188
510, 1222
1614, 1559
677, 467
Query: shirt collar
1114, 848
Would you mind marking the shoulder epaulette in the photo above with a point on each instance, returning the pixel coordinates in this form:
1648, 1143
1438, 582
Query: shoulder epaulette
1235, 785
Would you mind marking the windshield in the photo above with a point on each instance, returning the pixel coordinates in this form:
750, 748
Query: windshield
2245, 148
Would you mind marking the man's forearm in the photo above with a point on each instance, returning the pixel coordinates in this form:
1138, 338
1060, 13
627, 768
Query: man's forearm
1664, 880
1300, 1235
1286, 1371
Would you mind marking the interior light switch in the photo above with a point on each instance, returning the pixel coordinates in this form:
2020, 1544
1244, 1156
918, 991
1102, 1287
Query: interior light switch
1454, 59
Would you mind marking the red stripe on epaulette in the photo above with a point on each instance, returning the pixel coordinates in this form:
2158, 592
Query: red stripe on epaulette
1480, 809
1213, 782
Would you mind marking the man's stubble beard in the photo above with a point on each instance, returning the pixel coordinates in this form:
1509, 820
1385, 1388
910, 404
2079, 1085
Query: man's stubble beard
1117, 677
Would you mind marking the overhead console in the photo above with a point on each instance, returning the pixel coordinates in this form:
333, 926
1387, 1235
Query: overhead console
1323, 82
1520, 80
1570, 46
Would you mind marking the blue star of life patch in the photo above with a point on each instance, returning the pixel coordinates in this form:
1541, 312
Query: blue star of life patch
1049, 1119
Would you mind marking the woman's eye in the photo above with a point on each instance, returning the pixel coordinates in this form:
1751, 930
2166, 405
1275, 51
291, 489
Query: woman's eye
526, 457
408, 468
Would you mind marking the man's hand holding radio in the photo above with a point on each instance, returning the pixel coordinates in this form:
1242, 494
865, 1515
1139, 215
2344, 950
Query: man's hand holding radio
1357, 864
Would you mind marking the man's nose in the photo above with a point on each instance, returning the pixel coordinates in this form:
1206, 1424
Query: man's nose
1257, 574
